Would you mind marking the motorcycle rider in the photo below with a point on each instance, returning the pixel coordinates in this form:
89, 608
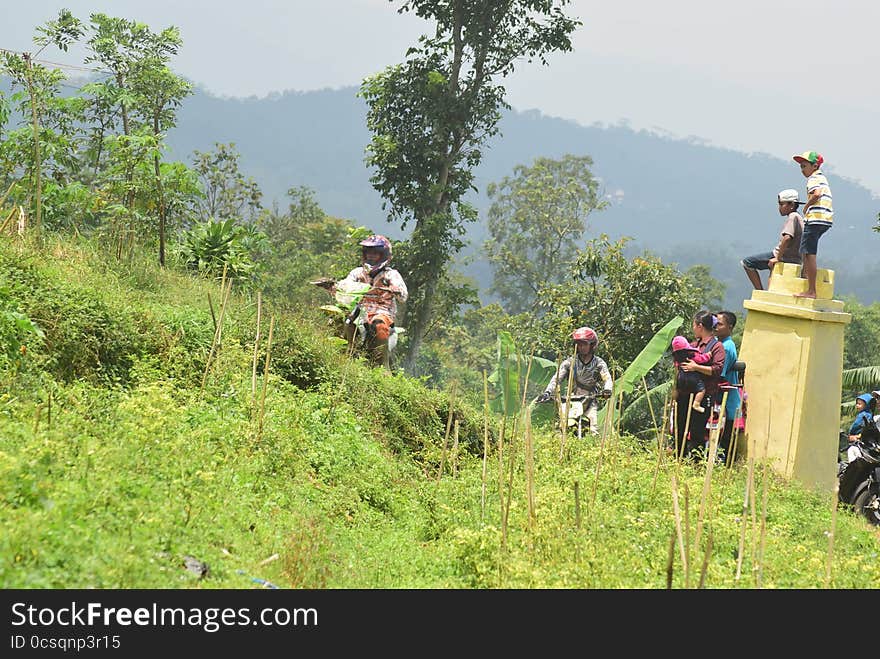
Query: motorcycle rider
379, 304
591, 375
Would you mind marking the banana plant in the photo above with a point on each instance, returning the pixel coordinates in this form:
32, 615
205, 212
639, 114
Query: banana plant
509, 376
644, 362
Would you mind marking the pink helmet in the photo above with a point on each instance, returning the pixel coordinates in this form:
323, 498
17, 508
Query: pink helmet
585, 334
681, 343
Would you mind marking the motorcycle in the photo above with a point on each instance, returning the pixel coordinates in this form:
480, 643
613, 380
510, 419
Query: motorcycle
859, 479
577, 407
348, 309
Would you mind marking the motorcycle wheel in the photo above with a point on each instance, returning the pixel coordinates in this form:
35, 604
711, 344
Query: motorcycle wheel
867, 503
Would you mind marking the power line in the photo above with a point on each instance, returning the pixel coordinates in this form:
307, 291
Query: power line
74, 67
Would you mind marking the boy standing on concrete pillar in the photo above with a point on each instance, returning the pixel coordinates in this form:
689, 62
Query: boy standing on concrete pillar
818, 215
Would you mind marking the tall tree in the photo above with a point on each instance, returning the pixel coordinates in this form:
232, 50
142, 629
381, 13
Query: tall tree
228, 192
536, 222
145, 90
431, 117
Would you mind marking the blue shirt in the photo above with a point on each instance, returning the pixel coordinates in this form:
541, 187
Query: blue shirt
732, 377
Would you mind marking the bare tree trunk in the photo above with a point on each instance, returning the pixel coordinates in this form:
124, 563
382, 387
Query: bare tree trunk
37, 173
161, 194
417, 323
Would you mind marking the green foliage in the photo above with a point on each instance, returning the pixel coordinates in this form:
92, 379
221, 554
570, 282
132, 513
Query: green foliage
536, 222
227, 193
17, 330
212, 245
861, 334
513, 374
625, 300
306, 243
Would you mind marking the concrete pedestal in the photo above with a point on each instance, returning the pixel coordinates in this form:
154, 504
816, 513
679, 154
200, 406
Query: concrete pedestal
793, 350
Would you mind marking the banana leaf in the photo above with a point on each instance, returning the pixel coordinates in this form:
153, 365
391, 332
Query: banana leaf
510, 370
644, 362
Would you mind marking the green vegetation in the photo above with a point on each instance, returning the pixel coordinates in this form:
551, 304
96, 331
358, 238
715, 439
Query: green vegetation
115, 464
195, 401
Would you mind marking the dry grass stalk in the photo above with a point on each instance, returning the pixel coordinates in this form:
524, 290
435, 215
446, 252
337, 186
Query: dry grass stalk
455, 448
218, 333
765, 476
266, 377
211, 307
650, 405
530, 465
619, 412
563, 417
8, 220
687, 537
706, 556
745, 511
256, 346
511, 462
605, 424
831, 535
687, 425
677, 515
448, 427
577, 505
707, 480
673, 410
660, 444
670, 561
501, 479
485, 445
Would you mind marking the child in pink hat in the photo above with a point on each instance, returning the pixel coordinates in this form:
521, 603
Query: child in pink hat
689, 381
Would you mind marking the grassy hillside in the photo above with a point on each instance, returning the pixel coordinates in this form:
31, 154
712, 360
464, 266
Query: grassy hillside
116, 465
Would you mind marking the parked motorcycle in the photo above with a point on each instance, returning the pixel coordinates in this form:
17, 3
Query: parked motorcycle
859, 479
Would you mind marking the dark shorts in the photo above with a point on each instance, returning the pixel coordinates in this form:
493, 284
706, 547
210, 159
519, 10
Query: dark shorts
760, 261
810, 237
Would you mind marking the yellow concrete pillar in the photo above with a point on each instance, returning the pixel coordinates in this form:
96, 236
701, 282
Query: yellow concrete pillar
793, 350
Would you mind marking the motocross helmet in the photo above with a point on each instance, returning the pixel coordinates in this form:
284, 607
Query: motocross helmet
585, 335
380, 243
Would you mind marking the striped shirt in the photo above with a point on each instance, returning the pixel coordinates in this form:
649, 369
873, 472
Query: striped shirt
820, 212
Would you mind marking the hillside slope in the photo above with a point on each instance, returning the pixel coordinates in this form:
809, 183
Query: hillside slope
119, 468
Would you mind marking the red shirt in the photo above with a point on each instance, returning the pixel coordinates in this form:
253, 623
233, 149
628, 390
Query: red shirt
716, 362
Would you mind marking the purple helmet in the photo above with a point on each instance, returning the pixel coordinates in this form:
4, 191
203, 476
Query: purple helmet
380, 243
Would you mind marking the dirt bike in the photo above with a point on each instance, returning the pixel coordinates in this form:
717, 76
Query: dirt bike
577, 407
859, 479
347, 308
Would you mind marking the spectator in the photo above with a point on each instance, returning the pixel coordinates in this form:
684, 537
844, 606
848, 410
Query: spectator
705, 342
788, 248
725, 325
818, 215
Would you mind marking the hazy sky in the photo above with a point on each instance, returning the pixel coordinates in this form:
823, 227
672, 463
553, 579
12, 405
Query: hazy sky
771, 76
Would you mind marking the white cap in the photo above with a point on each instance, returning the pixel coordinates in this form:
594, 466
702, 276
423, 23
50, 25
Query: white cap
788, 195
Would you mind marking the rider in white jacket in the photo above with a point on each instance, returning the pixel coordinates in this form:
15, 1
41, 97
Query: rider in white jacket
591, 375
